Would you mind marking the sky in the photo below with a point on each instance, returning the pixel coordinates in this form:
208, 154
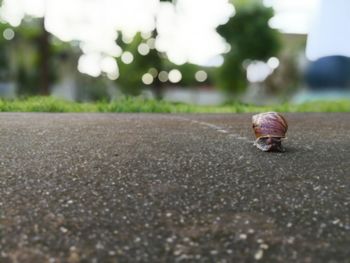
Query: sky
186, 30
293, 16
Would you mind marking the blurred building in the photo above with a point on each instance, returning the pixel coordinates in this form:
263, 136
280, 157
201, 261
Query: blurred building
280, 80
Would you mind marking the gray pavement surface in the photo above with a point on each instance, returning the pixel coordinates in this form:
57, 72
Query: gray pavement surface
172, 188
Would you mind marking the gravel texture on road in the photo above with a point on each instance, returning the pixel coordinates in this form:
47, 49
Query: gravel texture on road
172, 188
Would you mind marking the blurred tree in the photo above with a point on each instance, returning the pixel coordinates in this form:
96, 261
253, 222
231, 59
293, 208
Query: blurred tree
248, 34
25, 57
45, 53
33, 58
131, 84
92, 89
188, 72
5, 57
288, 77
152, 63
250, 38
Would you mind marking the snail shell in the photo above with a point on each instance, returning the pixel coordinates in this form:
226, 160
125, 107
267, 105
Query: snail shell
269, 129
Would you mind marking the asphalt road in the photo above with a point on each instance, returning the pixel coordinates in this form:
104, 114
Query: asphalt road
172, 188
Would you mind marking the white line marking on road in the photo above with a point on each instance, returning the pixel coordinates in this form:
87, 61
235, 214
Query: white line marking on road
218, 129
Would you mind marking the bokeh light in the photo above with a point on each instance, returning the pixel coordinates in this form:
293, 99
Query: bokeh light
201, 76
109, 65
186, 34
151, 43
163, 76
147, 79
8, 34
153, 72
175, 76
143, 49
258, 71
127, 57
90, 64
273, 62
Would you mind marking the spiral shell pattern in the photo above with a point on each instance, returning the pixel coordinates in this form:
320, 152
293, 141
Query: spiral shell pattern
269, 124
269, 129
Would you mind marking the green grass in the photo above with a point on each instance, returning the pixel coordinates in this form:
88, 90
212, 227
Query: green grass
50, 104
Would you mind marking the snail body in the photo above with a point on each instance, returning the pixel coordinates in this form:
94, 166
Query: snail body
269, 128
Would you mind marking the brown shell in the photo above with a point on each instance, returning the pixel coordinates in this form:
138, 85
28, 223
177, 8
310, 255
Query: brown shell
269, 124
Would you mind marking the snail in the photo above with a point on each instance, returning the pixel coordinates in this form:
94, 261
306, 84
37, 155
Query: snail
269, 128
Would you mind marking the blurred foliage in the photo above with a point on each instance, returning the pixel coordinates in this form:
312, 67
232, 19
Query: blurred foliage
130, 79
289, 76
131, 84
5, 66
136, 104
23, 57
26, 58
250, 38
92, 89
247, 32
246, 3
